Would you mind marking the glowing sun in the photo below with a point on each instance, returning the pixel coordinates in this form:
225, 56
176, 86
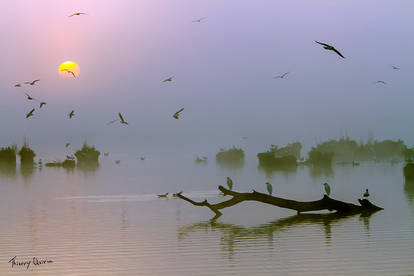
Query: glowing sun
69, 69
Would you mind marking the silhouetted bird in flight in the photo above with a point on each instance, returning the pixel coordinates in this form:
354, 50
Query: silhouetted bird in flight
366, 194
106, 153
42, 104
30, 98
69, 72
31, 83
281, 76
67, 145
169, 79
142, 158
122, 121
71, 114
177, 114
380, 81
395, 67
77, 13
199, 20
17, 85
229, 183
327, 188
30, 113
269, 188
329, 47
163, 195
117, 161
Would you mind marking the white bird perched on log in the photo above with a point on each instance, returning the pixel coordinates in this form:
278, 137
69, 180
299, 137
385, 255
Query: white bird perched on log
229, 183
269, 188
366, 194
327, 188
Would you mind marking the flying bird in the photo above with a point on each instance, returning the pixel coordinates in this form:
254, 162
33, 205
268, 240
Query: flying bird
327, 188
229, 183
117, 161
163, 195
122, 119
17, 85
142, 158
366, 194
30, 98
177, 114
269, 188
42, 104
30, 113
69, 72
71, 114
281, 76
329, 47
169, 79
395, 67
77, 13
106, 153
67, 145
199, 20
31, 83
382, 82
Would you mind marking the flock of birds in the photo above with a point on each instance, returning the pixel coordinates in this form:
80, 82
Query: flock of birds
176, 115
120, 118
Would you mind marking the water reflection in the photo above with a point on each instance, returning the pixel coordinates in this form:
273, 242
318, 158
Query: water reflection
316, 172
8, 170
27, 171
228, 164
233, 236
271, 170
409, 190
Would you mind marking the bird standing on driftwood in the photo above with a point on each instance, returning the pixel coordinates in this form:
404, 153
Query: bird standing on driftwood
330, 48
269, 188
327, 188
229, 183
366, 194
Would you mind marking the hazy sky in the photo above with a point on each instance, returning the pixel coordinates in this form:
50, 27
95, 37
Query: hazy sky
223, 70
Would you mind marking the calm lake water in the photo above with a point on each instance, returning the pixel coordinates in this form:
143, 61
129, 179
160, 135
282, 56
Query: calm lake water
110, 222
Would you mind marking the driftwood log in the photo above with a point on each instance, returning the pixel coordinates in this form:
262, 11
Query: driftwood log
326, 203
